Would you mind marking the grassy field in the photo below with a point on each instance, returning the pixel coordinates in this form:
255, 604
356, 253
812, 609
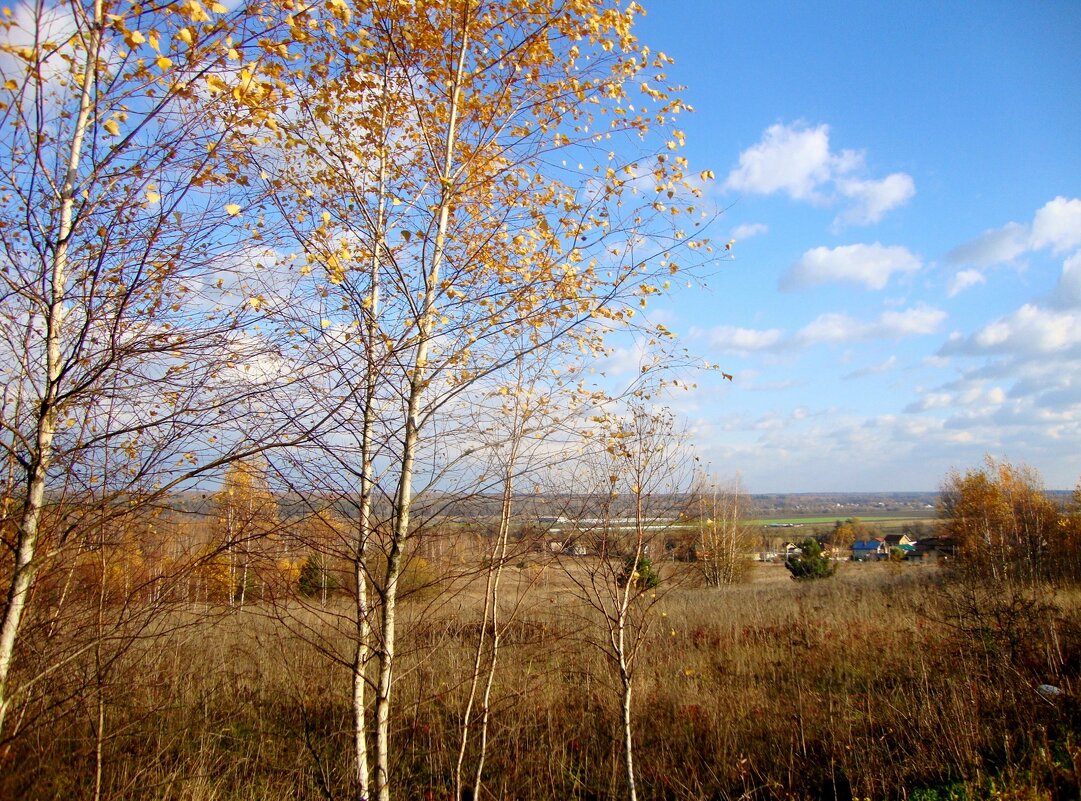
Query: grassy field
869, 685
811, 521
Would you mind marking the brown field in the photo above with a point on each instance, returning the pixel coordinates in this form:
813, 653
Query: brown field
880, 683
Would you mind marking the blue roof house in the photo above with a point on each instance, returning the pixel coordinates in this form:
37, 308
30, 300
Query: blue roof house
867, 550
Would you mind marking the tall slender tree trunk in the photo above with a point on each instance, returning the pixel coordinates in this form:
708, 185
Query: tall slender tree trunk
38, 461
417, 383
625, 676
501, 558
490, 612
362, 651
628, 730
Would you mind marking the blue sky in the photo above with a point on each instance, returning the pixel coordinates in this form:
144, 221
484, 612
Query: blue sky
904, 184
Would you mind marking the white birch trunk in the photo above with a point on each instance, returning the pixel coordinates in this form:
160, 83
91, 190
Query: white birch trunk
30, 520
404, 494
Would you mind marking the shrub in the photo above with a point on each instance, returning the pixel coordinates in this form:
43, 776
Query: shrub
811, 563
315, 578
644, 577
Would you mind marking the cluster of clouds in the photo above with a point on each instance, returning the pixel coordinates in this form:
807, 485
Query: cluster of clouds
1045, 325
1007, 385
797, 160
833, 328
1018, 374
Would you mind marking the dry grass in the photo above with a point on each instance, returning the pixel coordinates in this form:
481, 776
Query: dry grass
855, 687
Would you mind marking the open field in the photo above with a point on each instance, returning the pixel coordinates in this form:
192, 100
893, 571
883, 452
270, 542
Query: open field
867, 685
830, 519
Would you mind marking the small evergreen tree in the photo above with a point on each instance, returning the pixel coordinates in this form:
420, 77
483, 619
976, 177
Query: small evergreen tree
811, 562
316, 580
643, 577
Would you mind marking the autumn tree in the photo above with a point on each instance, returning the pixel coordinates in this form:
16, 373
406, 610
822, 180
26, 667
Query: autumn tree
518, 419
247, 515
1004, 525
848, 531
123, 296
466, 182
724, 540
638, 467
1068, 561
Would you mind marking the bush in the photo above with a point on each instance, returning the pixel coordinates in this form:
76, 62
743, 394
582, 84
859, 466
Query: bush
643, 578
811, 563
315, 578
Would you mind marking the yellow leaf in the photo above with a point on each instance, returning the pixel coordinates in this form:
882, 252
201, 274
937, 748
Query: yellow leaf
218, 8
707, 175
215, 85
232, 209
10, 84
134, 39
184, 35
163, 63
111, 127
152, 196
196, 12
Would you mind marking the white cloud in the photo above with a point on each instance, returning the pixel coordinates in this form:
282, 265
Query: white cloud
997, 246
833, 327
1028, 331
874, 369
732, 339
931, 400
965, 279
874, 198
747, 230
1068, 292
1057, 225
790, 159
796, 160
870, 265
836, 328
917, 321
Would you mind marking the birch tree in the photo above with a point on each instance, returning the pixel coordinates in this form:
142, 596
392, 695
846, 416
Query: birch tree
638, 466
462, 178
724, 540
246, 514
120, 201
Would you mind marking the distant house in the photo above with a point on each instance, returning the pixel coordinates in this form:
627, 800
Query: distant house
869, 550
897, 540
931, 548
908, 550
575, 549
